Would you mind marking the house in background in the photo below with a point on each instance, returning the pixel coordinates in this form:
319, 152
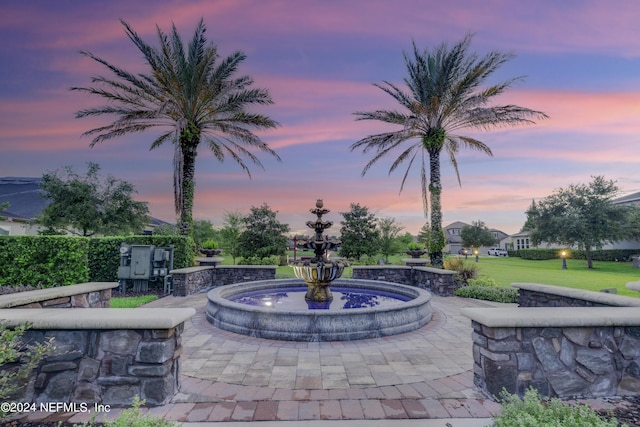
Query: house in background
521, 240
452, 233
632, 200
26, 202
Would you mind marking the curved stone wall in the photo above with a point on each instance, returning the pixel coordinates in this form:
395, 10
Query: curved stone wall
318, 325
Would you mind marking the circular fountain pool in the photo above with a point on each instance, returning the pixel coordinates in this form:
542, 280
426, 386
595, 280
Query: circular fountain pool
276, 309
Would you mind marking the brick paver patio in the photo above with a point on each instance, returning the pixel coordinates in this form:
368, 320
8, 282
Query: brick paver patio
228, 377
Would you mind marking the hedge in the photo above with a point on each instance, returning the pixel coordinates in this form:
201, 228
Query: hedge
51, 261
622, 255
104, 255
47, 261
488, 293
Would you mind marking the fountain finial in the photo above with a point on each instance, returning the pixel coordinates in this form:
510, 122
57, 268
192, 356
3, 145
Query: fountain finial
319, 203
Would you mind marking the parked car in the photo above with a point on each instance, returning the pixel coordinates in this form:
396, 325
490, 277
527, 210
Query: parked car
498, 252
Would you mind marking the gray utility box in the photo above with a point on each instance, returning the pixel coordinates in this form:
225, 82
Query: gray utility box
141, 264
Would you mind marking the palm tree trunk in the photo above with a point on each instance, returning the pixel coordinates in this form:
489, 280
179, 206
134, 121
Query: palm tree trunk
189, 151
436, 240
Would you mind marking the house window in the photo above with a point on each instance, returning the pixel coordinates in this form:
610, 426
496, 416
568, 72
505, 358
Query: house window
454, 231
522, 243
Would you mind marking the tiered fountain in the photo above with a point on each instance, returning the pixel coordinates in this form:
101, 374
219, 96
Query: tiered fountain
318, 272
288, 310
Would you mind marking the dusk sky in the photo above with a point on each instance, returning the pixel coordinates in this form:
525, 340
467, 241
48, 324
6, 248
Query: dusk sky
319, 59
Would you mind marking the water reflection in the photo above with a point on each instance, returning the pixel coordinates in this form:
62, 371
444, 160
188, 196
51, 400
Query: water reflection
343, 298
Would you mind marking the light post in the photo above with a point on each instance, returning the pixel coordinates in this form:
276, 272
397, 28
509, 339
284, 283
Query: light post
475, 252
466, 254
563, 254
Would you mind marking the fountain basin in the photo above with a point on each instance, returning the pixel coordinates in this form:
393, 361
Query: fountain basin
318, 325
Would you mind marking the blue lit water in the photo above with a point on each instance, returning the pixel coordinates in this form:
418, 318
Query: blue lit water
343, 298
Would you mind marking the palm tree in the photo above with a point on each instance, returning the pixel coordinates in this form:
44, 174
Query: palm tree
192, 96
444, 96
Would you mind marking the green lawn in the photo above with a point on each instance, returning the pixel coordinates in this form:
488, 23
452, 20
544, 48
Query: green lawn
549, 272
131, 302
508, 270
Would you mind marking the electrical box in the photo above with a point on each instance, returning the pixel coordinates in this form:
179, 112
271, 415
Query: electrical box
141, 264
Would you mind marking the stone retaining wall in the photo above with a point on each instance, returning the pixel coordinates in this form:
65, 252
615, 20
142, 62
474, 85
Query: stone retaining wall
566, 355
437, 281
538, 295
192, 280
110, 356
84, 295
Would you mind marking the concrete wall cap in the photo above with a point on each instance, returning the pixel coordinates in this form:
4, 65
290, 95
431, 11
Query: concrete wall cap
541, 317
97, 318
188, 270
634, 286
436, 270
597, 297
37, 295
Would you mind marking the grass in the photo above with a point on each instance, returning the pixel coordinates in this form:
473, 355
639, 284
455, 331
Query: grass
131, 302
549, 272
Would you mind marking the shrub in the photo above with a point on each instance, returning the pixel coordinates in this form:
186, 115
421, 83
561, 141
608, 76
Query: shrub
414, 246
209, 244
482, 281
104, 255
45, 261
621, 255
133, 418
254, 260
17, 361
533, 411
488, 293
464, 270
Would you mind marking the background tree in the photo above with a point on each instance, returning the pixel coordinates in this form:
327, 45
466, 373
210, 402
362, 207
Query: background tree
443, 96
230, 232
88, 205
166, 230
476, 235
388, 230
264, 235
404, 240
203, 230
190, 93
424, 234
582, 216
532, 212
358, 233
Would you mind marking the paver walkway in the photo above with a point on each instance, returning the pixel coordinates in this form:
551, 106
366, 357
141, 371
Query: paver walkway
228, 377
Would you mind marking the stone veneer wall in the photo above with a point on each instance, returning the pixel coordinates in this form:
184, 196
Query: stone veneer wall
593, 361
538, 295
437, 281
192, 280
111, 355
84, 295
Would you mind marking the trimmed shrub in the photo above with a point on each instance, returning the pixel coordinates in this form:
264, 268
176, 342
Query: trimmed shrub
533, 411
621, 255
44, 261
482, 281
254, 260
488, 293
104, 255
48, 261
